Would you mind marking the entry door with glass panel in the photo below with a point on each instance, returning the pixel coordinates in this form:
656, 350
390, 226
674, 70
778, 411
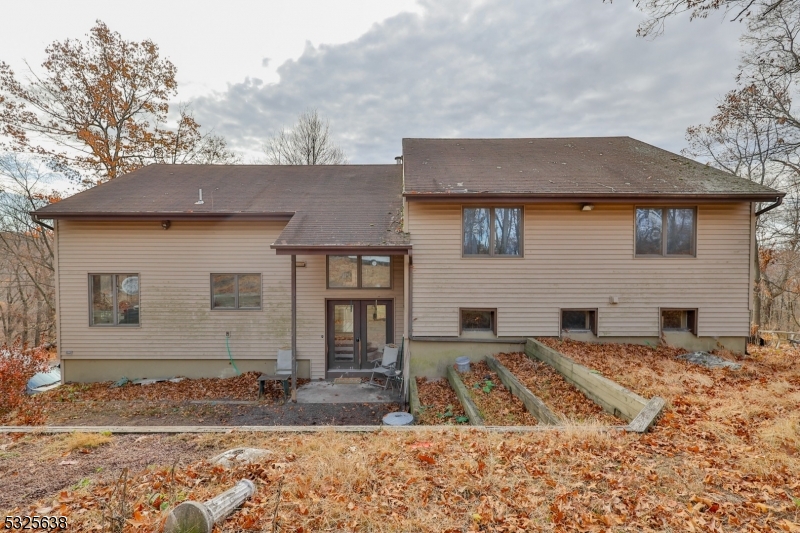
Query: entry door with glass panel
357, 332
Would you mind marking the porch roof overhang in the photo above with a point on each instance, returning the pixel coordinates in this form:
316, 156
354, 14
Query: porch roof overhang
354, 249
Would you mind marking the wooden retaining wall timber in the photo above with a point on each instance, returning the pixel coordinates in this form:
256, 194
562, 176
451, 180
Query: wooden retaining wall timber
413, 397
612, 397
462, 393
532, 403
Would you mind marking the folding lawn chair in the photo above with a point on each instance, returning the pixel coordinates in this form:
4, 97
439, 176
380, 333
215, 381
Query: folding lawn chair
387, 366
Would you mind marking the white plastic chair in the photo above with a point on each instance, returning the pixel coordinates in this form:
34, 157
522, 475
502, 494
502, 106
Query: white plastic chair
284, 364
386, 365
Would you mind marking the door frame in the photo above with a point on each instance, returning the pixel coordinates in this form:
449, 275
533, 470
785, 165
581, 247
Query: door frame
361, 322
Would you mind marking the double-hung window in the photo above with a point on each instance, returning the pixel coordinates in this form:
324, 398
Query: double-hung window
666, 231
492, 231
114, 299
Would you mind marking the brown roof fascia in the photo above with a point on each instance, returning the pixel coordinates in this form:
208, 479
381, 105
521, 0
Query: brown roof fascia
160, 216
466, 198
340, 250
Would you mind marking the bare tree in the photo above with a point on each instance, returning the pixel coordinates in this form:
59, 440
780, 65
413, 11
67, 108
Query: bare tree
102, 106
307, 143
659, 11
27, 289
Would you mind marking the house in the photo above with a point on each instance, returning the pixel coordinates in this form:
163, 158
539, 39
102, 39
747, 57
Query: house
466, 247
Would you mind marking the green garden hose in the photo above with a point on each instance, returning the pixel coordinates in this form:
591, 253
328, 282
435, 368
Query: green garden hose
228, 346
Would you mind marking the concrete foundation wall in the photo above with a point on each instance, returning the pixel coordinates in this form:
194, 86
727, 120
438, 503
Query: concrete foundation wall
431, 358
681, 339
88, 370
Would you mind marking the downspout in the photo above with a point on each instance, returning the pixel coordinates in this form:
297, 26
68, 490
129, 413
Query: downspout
294, 328
770, 207
37, 221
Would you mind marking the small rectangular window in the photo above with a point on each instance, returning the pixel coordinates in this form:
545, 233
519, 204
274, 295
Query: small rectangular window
679, 320
579, 320
114, 299
359, 271
665, 231
492, 231
478, 320
235, 291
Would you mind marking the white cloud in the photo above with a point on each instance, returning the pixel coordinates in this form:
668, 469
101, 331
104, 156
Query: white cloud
497, 68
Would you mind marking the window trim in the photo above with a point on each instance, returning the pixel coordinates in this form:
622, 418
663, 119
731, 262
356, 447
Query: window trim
358, 274
592, 327
491, 254
690, 328
461, 329
664, 253
114, 288
236, 295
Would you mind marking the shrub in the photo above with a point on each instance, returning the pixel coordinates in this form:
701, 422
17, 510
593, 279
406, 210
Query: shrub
17, 365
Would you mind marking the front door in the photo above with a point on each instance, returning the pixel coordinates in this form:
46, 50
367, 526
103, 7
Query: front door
357, 332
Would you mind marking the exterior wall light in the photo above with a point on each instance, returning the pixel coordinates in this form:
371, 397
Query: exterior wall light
166, 224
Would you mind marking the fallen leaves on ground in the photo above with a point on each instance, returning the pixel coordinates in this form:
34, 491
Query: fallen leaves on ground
438, 403
561, 397
723, 457
457, 480
242, 387
497, 405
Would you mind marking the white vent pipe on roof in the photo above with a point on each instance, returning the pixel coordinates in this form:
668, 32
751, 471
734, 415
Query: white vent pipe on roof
200, 202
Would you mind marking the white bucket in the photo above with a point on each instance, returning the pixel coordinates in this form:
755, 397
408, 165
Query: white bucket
462, 364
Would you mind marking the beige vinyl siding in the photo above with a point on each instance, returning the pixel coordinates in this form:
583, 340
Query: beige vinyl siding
578, 259
176, 320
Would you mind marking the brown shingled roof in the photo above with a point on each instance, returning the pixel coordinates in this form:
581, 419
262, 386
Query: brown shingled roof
336, 205
584, 168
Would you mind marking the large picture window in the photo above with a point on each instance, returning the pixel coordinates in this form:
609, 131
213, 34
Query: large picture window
114, 299
359, 271
492, 231
666, 231
236, 291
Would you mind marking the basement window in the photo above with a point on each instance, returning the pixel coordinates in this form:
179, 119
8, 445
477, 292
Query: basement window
679, 320
579, 320
114, 299
478, 320
666, 231
235, 291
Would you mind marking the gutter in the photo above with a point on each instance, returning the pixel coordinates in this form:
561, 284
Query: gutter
142, 216
778, 202
478, 197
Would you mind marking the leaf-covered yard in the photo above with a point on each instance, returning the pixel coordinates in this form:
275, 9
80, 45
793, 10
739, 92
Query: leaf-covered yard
724, 457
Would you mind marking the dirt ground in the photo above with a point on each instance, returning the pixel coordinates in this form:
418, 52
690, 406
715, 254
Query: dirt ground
150, 413
36, 468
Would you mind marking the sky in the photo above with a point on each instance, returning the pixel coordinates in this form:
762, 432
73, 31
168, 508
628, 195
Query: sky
383, 70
